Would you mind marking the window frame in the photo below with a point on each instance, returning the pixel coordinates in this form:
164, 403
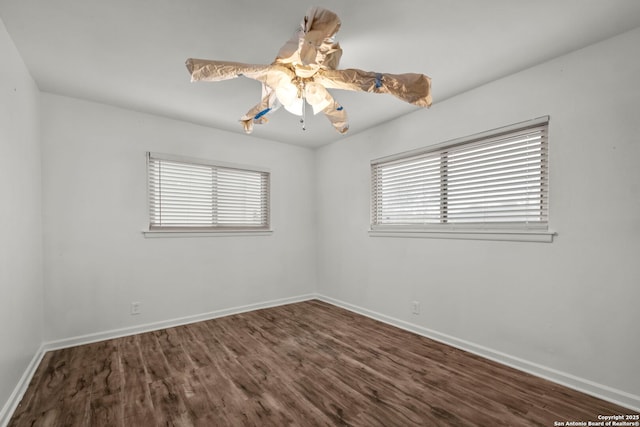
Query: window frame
510, 231
213, 230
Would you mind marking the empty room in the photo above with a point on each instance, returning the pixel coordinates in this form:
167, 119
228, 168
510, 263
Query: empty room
412, 213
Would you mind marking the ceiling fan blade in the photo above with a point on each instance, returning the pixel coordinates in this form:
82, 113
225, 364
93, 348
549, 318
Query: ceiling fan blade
337, 116
313, 46
410, 87
215, 71
257, 114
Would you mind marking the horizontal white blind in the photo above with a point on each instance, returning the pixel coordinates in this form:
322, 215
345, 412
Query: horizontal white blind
498, 180
200, 196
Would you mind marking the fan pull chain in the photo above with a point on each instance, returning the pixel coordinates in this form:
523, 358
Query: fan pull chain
301, 88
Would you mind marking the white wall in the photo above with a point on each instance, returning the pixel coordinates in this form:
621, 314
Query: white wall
96, 259
21, 286
571, 305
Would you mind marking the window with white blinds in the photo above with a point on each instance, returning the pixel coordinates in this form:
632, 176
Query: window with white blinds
198, 195
493, 180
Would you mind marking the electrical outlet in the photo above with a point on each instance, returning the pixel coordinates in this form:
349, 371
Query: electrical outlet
135, 308
415, 307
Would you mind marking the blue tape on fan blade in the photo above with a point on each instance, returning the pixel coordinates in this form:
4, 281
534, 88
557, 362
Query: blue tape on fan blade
378, 80
262, 113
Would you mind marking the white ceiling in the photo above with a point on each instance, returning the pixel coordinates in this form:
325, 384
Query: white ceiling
131, 53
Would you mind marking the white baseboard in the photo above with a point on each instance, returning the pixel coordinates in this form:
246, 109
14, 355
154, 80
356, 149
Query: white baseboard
148, 327
14, 400
600, 391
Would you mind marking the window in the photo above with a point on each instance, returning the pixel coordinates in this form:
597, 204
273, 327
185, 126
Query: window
198, 195
496, 180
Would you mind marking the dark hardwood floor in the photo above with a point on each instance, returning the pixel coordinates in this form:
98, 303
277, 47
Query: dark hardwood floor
304, 364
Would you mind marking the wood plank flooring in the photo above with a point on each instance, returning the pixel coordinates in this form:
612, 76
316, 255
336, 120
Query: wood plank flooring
304, 364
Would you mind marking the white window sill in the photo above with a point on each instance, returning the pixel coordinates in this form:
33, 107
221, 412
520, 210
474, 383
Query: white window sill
200, 233
503, 235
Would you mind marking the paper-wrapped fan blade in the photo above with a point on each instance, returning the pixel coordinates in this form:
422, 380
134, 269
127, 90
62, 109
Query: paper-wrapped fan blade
215, 71
410, 87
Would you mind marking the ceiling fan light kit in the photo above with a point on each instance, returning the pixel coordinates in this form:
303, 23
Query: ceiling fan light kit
303, 70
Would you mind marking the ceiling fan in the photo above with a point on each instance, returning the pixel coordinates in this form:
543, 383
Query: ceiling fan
303, 70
